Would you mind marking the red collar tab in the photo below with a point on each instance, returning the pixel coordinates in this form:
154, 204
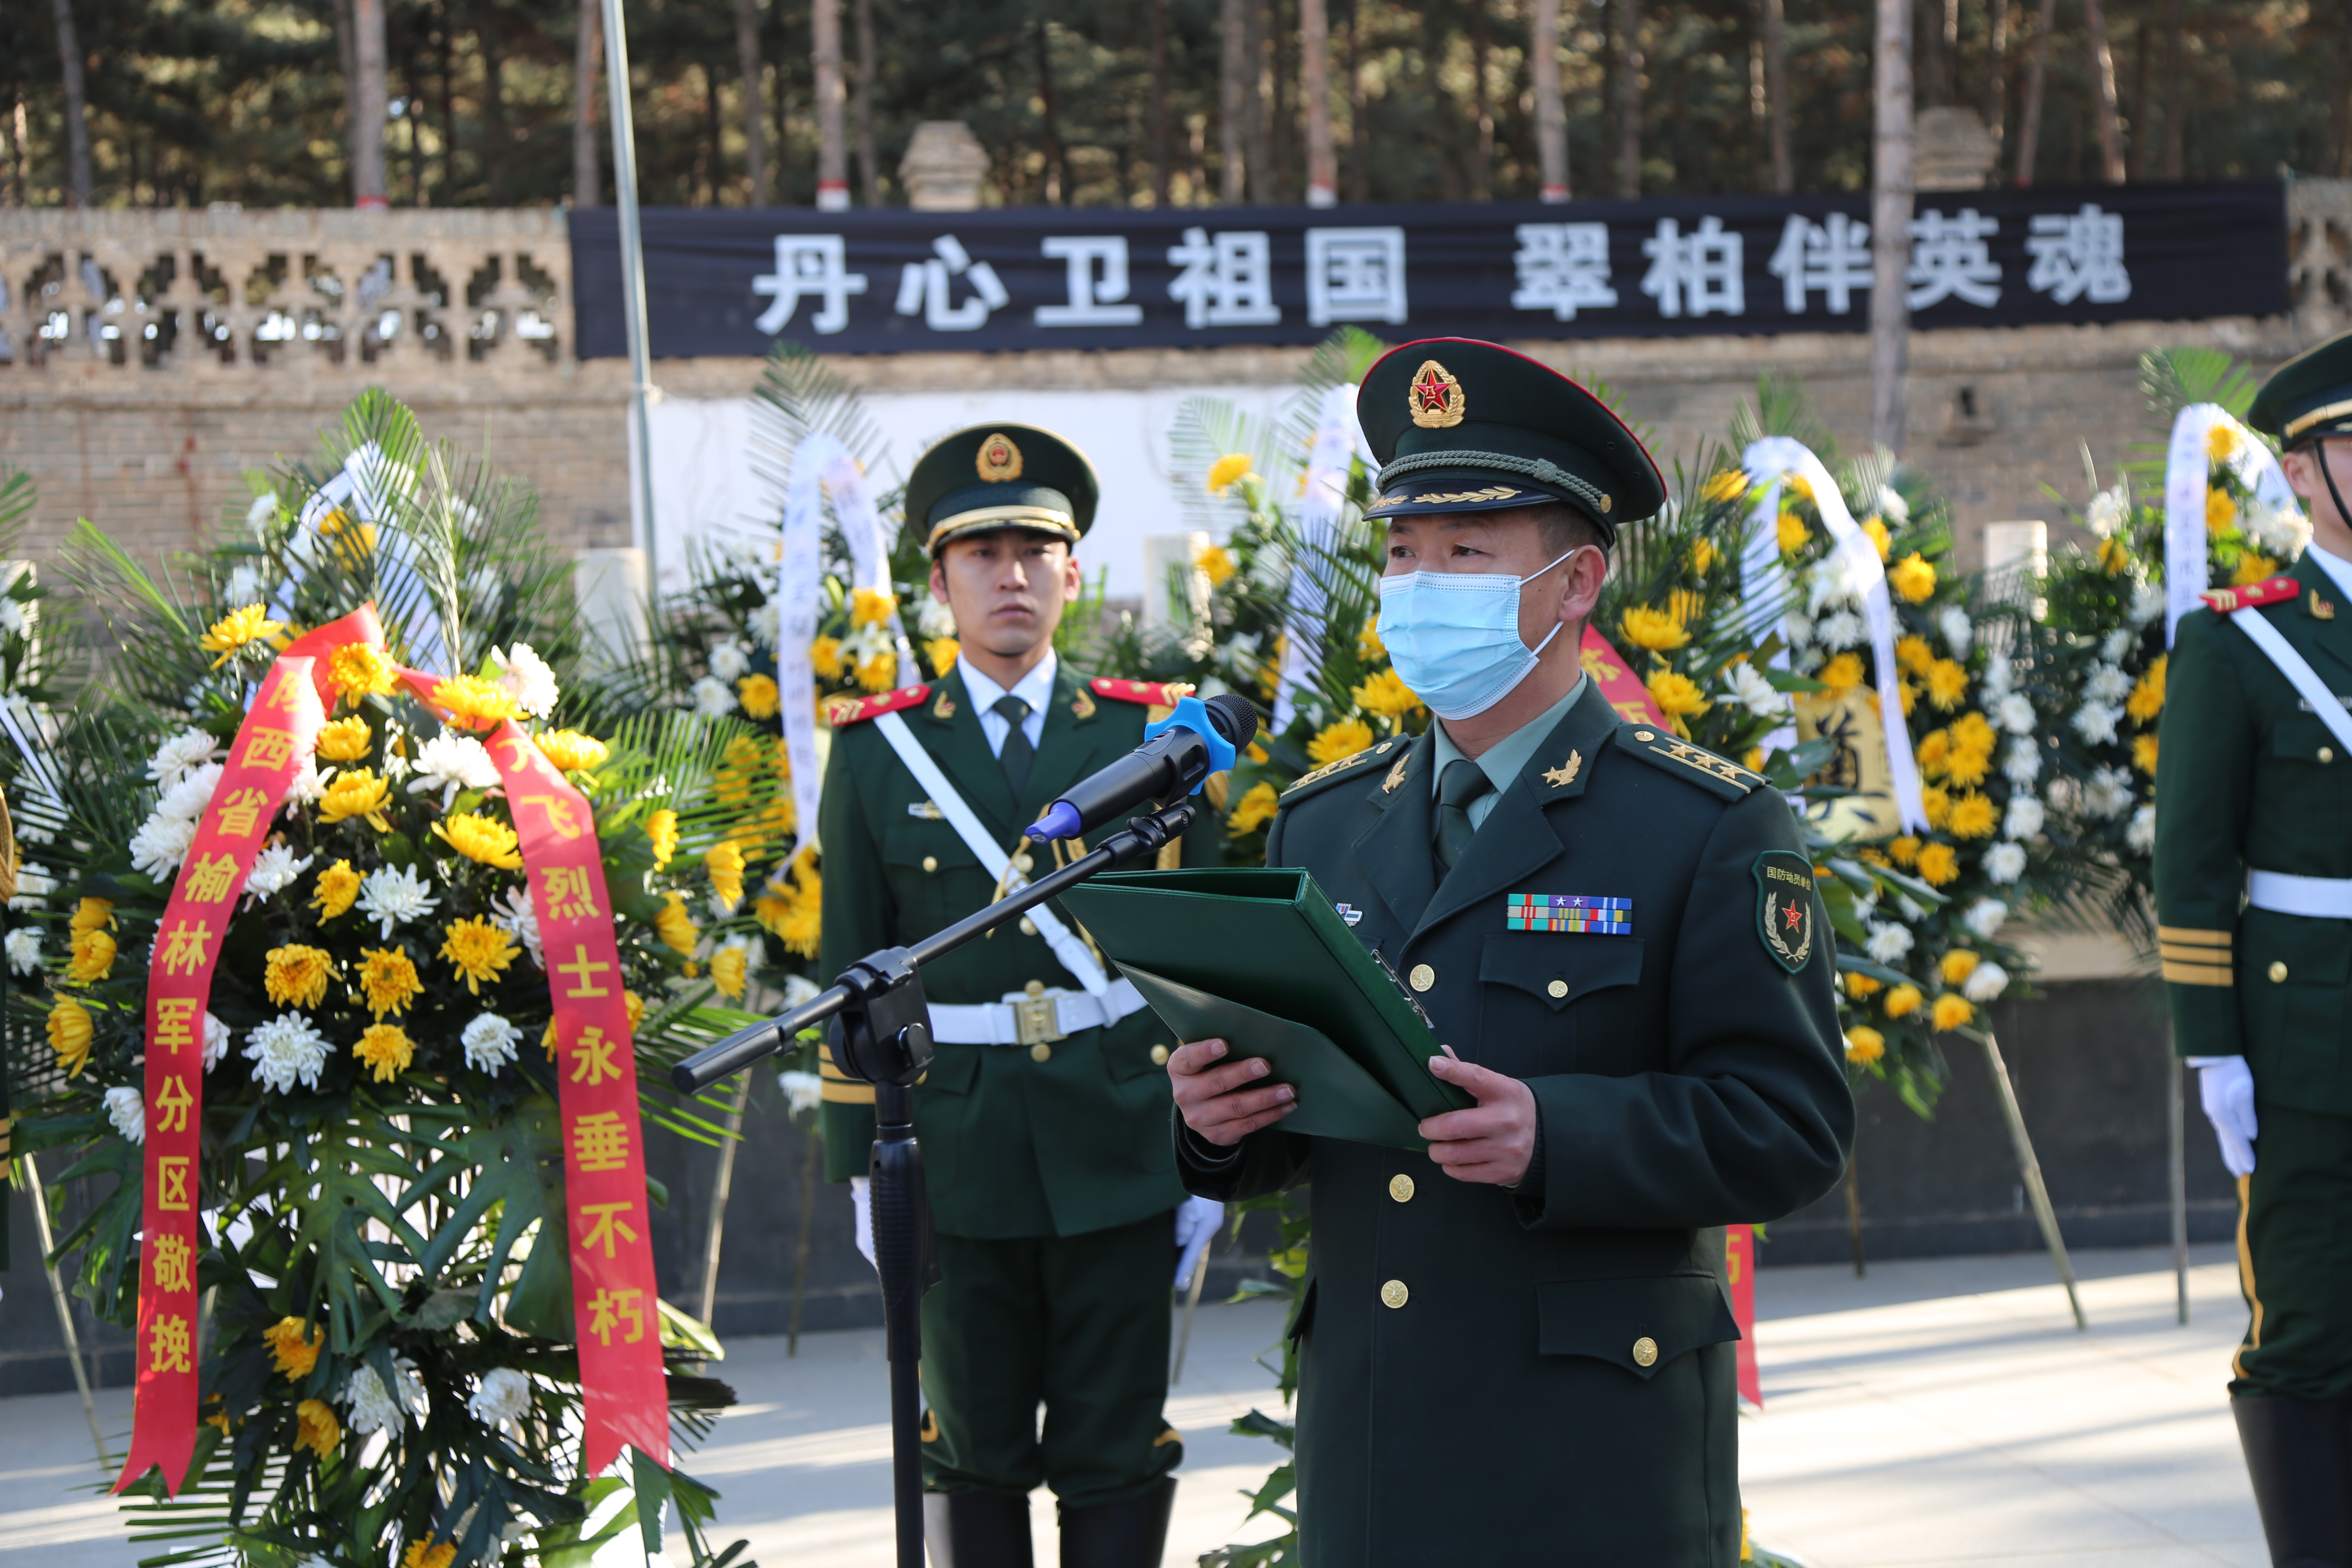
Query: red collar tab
1151, 693
841, 710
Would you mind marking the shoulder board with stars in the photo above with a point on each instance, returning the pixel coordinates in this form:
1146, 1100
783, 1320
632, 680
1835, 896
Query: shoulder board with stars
1151, 693
2269, 591
841, 710
1666, 750
1332, 771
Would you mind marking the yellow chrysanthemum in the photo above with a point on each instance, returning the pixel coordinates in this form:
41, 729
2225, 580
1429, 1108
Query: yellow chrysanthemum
386, 1049
1254, 810
294, 1352
1865, 1045
870, 607
791, 909
387, 981
1369, 647
91, 914
338, 889
1951, 1011
758, 696
1344, 738
421, 1556
357, 793
473, 704
1875, 528
1226, 470
1913, 578
1653, 629
661, 828
478, 951
2114, 555
1216, 563
93, 957
480, 839
730, 972
2143, 754
1947, 683
1912, 653
1957, 966
2220, 512
2147, 698
1385, 695
1939, 864
1793, 533
1702, 556
724, 862
1974, 732
1797, 485
1936, 804
358, 670
1861, 986
1842, 674
296, 975
675, 926
236, 630
877, 674
1968, 764
2220, 443
1725, 484
1974, 817
825, 658
2254, 566
345, 740
573, 751
1933, 752
942, 652
1902, 1000
70, 1031
1904, 851
316, 1428
1677, 696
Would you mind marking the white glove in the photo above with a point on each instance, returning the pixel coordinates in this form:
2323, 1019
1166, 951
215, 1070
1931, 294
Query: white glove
862, 1200
2226, 1088
1196, 1225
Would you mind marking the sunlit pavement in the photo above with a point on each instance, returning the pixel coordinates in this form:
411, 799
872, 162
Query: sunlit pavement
1936, 1413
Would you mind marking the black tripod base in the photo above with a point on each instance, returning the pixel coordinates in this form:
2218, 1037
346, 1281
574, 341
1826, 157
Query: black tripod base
978, 1530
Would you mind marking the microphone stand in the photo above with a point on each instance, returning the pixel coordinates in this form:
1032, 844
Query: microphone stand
886, 1040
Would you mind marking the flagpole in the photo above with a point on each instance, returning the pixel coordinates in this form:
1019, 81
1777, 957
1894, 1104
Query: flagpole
633, 279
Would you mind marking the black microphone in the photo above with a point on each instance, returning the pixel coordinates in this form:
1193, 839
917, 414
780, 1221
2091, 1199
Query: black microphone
1166, 766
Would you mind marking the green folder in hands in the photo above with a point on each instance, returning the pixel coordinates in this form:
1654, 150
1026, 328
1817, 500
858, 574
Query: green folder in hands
1262, 960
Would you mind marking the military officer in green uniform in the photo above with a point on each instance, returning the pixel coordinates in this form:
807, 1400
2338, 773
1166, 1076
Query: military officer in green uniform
1516, 1347
2253, 894
1044, 1117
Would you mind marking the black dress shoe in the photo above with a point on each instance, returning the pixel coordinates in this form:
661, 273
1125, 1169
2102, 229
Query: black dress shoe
1131, 1534
977, 1530
2299, 1455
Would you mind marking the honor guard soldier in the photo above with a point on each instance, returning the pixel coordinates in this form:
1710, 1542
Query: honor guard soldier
1043, 1118
1518, 1346
2254, 891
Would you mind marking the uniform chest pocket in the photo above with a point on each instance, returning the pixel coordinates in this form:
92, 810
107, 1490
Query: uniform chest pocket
1556, 970
2303, 738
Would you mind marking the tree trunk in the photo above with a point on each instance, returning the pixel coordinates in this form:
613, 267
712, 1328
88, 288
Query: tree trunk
1314, 87
1159, 174
714, 127
1359, 128
1997, 74
2029, 121
368, 103
1057, 166
2102, 81
1255, 111
871, 171
2139, 154
755, 119
1934, 73
1629, 95
1282, 127
1236, 80
2340, 114
1776, 93
2175, 89
495, 144
587, 49
1890, 224
832, 148
1551, 113
69, 63
1482, 104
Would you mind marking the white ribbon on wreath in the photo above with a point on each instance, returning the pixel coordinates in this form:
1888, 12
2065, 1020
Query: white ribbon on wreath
363, 491
2187, 474
1768, 464
1337, 441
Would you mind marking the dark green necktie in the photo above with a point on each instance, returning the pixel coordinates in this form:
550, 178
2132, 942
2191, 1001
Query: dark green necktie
1463, 782
1016, 754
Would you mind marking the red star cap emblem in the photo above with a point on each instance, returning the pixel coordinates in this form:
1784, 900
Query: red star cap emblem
1429, 391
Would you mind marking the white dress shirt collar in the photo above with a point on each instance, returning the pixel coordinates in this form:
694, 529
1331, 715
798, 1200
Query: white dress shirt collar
2338, 569
1036, 688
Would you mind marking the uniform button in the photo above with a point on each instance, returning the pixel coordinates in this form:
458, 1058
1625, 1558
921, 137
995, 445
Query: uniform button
1645, 1352
2278, 971
1160, 1056
1401, 1188
1558, 988
1644, 735
930, 862
1021, 862
1423, 978
2327, 753
1028, 926
1041, 1052
1393, 1294
1034, 989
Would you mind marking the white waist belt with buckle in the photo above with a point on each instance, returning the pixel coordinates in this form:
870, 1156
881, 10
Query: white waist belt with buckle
2321, 898
1025, 1020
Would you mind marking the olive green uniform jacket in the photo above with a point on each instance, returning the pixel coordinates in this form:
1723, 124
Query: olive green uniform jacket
1011, 1146
1545, 1375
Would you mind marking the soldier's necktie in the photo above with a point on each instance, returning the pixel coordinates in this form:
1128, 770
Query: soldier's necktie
1463, 782
1016, 754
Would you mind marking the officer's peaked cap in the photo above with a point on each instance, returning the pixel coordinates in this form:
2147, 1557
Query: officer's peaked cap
1000, 476
2309, 395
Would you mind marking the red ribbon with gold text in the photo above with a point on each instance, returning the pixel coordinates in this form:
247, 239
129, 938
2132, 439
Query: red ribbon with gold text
1624, 692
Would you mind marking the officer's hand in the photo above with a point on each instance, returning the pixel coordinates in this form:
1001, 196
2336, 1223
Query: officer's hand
2226, 1088
1494, 1140
1225, 1104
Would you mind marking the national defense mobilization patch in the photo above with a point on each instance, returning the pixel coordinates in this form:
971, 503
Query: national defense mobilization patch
1785, 907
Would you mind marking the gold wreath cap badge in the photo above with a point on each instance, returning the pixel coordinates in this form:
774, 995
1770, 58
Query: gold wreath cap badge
1435, 397
998, 460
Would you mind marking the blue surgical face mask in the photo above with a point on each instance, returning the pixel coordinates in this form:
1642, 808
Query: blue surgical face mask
1453, 637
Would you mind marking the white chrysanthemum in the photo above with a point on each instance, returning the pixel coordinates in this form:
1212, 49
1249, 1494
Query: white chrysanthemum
127, 1109
2005, 862
1843, 630
2015, 714
2023, 818
1807, 659
2146, 602
286, 1051
2105, 683
503, 1398
1960, 632
1984, 917
513, 913
765, 624
870, 641
2109, 793
308, 786
1799, 627
372, 1406
215, 1041
451, 761
244, 585
2280, 530
2141, 835
2095, 722
24, 949
1909, 908
713, 698
274, 870
14, 617
2114, 645
2020, 764
1890, 506
1888, 943
1749, 687
261, 511
800, 988
528, 676
2106, 512
393, 894
159, 846
489, 1041
1985, 983
803, 1090
185, 797
932, 619
729, 661
1829, 590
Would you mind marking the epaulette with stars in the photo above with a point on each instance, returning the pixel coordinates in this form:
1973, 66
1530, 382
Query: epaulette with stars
841, 710
2276, 590
1670, 752
1332, 772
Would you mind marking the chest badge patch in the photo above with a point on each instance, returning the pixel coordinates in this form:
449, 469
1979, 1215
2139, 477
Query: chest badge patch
1579, 914
1785, 907
1351, 915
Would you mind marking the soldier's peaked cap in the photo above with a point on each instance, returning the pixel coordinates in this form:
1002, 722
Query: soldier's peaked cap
1458, 424
1000, 476
2309, 395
